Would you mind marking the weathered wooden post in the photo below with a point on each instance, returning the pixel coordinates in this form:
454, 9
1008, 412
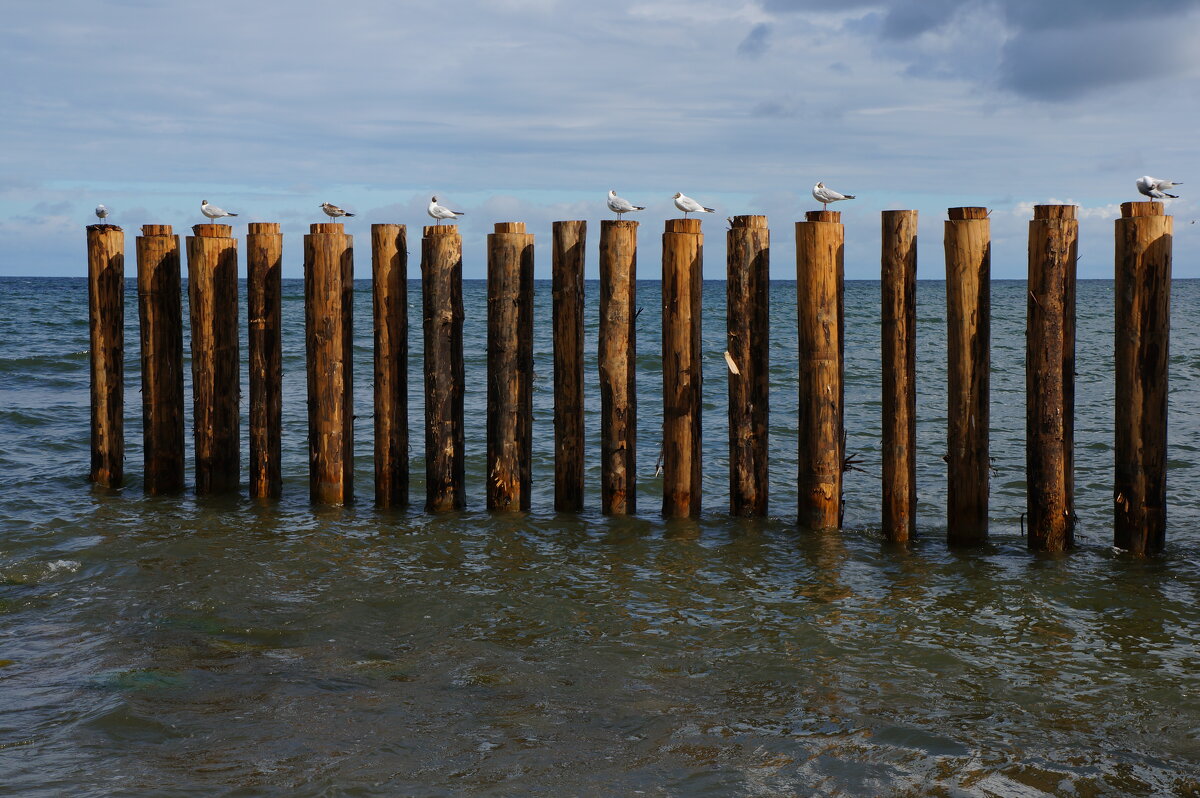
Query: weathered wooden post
968, 322
748, 324
1050, 378
819, 275
216, 389
160, 322
442, 308
510, 367
1143, 325
389, 272
683, 378
899, 349
106, 325
618, 360
329, 335
264, 264
570, 243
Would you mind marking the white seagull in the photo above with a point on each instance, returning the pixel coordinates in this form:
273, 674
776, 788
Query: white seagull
689, 205
440, 212
333, 211
825, 195
212, 211
621, 206
101, 213
1154, 188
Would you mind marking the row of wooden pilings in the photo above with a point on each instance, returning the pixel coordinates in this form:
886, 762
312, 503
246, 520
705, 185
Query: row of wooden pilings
1143, 259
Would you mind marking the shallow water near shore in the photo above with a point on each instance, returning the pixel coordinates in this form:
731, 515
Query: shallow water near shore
185, 646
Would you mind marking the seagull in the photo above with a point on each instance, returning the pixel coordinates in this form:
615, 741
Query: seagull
440, 212
621, 206
689, 205
825, 195
212, 211
333, 211
101, 213
1154, 188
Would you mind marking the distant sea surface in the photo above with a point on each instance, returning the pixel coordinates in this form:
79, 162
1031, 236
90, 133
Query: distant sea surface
193, 647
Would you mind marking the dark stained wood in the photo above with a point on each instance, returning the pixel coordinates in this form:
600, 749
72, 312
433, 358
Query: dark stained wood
617, 365
329, 338
819, 279
748, 328
441, 294
570, 243
264, 264
968, 322
160, 321
898, 271
683, 378
1143, 326
106, 325
1050, 377
510, 367
389, 273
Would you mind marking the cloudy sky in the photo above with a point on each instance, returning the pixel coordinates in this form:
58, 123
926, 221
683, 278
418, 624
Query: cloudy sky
530, 110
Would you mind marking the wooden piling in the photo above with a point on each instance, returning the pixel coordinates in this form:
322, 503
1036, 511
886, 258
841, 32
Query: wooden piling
160, 322
819, 278
510, 367
329, 337
617, 365
442, 308
106, 325
570, 243
748, 327
968, 322
264, 263
1143, 323
899, 348
389, 272
212, 302
1050, 378
683, 379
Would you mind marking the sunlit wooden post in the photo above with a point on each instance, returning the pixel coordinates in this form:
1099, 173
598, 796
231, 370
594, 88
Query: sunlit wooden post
570, 242
899, 349
264, 287
748, 329
389, 273
445, 380
106, 325
618, 359
683, 378
160, 319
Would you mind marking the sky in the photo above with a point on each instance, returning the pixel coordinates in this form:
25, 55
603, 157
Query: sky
531, 110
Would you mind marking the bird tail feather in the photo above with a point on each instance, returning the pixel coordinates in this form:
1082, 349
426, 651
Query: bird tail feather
349, 214
233, 214
1172, 196
710, 210
849, 196
639, 207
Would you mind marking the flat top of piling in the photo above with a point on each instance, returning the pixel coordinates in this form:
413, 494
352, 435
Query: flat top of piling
1054, 211
571, 222
387, 226
823, 216
212, 230
327, 228
748, 221
1151, 208
156, 229
434, 230
682, 226
103, 227
962, 214
510, 227
630, 223
263, 228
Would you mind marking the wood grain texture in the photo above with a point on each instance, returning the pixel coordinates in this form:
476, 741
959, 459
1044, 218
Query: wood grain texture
617, 357
968, 323
329, 344
1143, 325
160, 321
106, 327
570, 244
898, 284
683, 379
442, 309
389, 281
264, 265
748, 342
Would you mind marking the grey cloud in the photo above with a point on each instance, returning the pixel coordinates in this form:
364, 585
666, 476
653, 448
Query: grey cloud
756, 42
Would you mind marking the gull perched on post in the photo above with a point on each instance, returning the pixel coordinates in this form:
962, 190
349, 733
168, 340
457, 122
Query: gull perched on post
1154, 188
212, 211
440, 212
689, 205
825, 195
333, 211
621, 206
101, 213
